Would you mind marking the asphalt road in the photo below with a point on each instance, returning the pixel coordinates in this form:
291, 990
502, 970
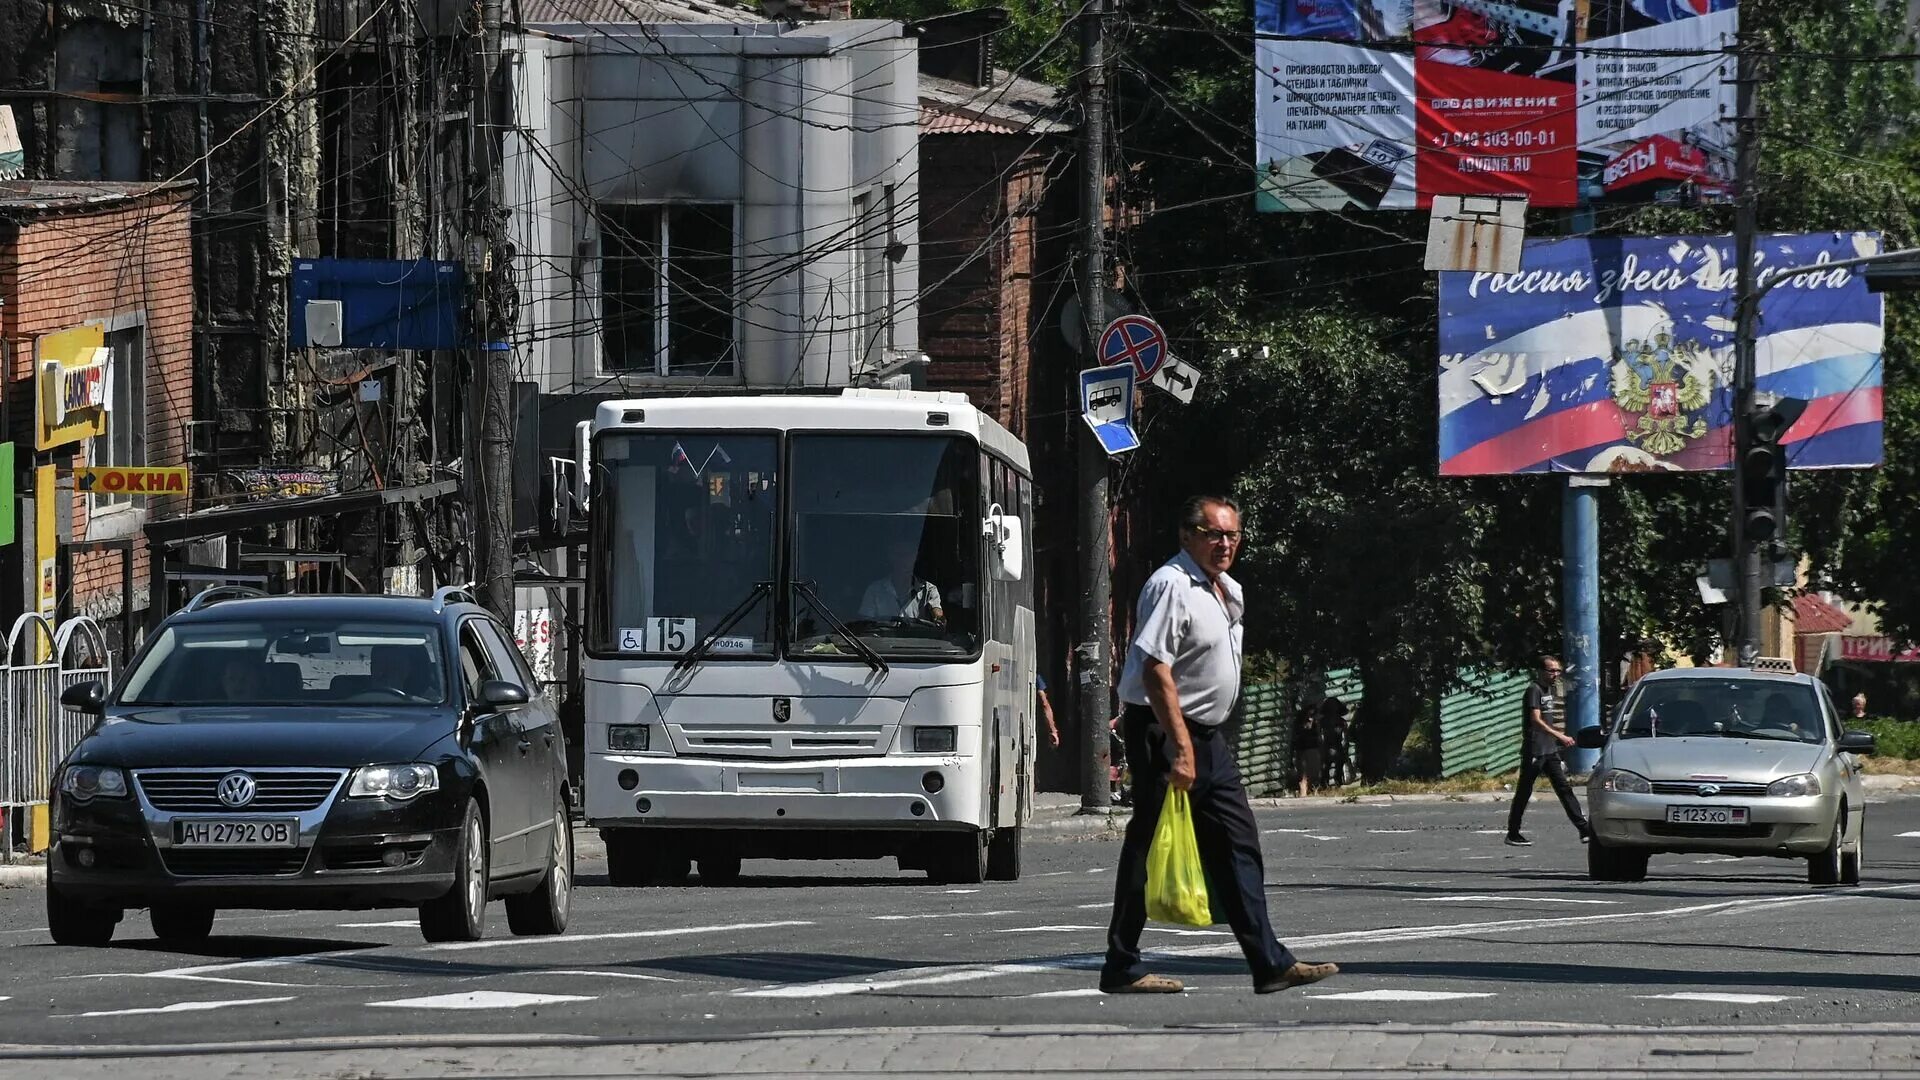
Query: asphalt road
1432, 919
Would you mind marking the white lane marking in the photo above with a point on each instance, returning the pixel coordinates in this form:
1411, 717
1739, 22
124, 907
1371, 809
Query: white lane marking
1720, 859
1477, 858
323, 958
1391, 832
603, 974
185, 978
188, 1006
410, 923
5, 999
1052, 873
1043, 929
1398, 995
904, 978
1270, 832
1515, 899
1490, 832
1084, 991
1908, 835
1099, 904
1098, 870
961, 892
942, 915
1184, 932
1724, 999
478, 999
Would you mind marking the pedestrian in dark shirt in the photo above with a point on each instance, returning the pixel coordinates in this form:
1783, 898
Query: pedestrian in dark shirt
1306, 751
1540, 753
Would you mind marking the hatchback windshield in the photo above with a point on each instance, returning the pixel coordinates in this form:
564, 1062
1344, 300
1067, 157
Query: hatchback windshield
289, 662
1725, 708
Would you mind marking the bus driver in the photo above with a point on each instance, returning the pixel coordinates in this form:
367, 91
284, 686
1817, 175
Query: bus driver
900, 594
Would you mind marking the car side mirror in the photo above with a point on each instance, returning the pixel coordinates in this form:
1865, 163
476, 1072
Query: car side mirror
1590, 738
1857, 742
88, 697
496, 694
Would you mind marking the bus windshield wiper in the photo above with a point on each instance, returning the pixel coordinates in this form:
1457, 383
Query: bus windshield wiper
699, 652
864, 650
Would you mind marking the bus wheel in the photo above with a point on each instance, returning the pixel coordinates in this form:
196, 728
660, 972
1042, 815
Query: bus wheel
963, 860
1003, 855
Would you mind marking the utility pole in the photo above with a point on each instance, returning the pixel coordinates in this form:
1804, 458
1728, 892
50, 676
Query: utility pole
1746, 548
1091, 659
489, 450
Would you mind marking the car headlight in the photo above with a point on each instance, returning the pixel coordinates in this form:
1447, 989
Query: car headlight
1630, 783
84, 783
934, 740
635, 737
1794, 787
398, 782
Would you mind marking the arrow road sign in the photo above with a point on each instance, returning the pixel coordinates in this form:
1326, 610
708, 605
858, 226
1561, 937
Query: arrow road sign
1135, 340
1178, 379
1106, 404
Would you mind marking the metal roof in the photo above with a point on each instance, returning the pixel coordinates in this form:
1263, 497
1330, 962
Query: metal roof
18, 197
576, 12
1012, 106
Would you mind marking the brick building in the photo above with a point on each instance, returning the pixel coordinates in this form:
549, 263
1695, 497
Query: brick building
96, 328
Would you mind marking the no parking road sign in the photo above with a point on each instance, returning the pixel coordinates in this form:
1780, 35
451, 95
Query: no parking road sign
1136, 340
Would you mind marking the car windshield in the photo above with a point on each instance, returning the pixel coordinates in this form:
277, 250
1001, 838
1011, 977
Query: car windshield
886, 540
1725, 708
290, 662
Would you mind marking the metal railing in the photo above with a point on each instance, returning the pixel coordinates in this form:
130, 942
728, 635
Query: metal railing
36, 731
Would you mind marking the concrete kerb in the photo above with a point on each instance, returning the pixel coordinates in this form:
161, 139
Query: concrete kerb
24, 873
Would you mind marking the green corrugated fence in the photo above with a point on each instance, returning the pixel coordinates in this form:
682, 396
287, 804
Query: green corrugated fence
1480, 724
1263, 741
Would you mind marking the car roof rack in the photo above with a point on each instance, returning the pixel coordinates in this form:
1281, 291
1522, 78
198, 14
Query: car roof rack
210, 597
1778, 665
453, 594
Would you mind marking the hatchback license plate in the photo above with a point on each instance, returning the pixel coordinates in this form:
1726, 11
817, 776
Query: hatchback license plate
269, 833
1707, 815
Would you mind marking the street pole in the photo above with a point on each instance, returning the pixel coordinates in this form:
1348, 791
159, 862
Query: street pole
489, 451
1746, 552
1091, 660
1580, 608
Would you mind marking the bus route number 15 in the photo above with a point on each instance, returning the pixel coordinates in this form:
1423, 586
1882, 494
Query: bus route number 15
659, 635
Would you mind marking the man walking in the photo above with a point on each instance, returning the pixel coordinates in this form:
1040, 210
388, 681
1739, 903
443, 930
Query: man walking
1540, 753
1180, 682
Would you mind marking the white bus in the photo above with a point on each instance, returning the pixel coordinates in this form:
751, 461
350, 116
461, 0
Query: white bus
810, 634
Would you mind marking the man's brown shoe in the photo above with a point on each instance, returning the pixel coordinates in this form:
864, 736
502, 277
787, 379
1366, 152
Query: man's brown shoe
1147, 984
1300, 974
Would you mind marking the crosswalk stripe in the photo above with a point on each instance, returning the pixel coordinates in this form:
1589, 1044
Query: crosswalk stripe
1717, 997
479, 999
187, 1006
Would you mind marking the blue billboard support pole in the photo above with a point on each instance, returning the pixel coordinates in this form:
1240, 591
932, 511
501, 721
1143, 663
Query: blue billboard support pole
1580, 609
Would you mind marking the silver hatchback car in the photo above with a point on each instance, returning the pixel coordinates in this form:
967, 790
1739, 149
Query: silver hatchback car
1730, 761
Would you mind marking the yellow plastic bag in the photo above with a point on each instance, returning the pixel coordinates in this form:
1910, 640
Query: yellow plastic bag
1176, 885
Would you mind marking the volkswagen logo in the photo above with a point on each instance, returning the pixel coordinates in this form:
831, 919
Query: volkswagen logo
782, 710
1708, 791
236, 789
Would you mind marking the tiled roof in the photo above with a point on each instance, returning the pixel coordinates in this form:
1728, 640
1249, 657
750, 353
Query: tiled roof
1012, 106
635, 11
1812, 615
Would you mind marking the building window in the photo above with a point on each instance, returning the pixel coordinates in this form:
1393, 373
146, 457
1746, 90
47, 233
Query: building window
125, 443
667, 288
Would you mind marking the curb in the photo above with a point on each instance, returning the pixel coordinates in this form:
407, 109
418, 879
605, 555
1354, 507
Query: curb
23, 875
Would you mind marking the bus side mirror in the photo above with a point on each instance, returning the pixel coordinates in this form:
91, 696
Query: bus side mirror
1005, 546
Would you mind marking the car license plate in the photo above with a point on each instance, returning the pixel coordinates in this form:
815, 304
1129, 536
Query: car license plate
1707, 815
224, 833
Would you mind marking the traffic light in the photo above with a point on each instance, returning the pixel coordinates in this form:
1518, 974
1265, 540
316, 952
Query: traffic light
1763, 467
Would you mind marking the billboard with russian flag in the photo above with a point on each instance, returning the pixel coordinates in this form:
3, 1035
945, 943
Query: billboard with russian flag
1611, 355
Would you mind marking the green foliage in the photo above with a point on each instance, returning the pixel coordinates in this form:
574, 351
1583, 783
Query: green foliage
1891, 738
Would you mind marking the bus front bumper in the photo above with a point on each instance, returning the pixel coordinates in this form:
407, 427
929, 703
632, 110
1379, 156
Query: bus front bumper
880, 792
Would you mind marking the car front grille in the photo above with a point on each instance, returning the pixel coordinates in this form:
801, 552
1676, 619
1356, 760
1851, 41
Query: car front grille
216, 862
1710, 832
1692, 787
277, 791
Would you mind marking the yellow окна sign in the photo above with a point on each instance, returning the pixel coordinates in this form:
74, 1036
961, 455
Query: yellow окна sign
102, 480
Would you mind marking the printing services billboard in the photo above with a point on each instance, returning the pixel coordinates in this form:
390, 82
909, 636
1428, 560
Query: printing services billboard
1609, 355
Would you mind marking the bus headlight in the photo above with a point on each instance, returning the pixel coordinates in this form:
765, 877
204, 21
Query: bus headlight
629, 737
934, 740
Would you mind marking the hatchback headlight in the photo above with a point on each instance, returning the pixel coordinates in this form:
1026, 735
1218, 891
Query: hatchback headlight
1794, 787
397, 782
1628, 783
84, 783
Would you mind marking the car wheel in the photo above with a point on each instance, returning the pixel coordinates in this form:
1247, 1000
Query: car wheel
461, 913
186, 924
1003, 855
74, 923
719, 869
964, 860
1850, 861
545, 910
1824, 868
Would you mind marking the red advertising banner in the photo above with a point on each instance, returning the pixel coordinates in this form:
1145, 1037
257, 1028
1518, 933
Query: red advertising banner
1876, 649
1491, 133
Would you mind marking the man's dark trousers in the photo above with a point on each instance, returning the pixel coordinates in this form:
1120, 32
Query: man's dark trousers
1229, 842
1530, 769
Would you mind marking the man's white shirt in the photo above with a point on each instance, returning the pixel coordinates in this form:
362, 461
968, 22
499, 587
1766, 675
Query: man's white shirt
883, 601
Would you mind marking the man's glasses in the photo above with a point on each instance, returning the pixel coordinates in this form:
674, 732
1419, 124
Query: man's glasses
1217, 536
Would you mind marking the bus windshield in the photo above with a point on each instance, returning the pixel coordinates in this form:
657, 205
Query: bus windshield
883, 540
686, 539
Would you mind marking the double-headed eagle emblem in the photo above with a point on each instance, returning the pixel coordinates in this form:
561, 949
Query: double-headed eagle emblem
1663, 380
